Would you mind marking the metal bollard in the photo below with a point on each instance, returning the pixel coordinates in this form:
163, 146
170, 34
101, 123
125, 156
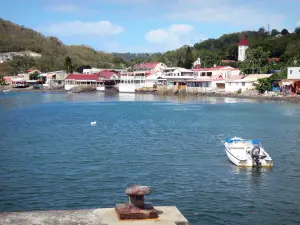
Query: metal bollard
136, 208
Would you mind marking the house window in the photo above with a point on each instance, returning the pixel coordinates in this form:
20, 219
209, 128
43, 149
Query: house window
202, 74
209, 74
291, 71
243, 83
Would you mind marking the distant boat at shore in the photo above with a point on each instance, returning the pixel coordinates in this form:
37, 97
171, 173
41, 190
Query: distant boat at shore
5, 91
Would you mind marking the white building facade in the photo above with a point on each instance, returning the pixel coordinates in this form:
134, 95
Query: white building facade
243, 46
293, 73
211, 79
144, 75
91, 71
244, 84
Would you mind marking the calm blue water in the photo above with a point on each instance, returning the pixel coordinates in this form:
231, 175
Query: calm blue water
52, 158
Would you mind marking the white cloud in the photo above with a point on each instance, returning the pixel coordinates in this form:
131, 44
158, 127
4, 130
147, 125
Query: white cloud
223, 11
100, 28
172, 37
298, 23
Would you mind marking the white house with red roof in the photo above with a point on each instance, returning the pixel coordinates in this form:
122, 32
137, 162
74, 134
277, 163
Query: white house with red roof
225, 71
243, 46
211, 79
73, 80
109, 74
143, 75
150, 66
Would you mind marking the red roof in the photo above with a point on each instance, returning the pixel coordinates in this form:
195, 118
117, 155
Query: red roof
276, 59
93, 77
106, 74
7, 79
243, 42
215, 68
147, 65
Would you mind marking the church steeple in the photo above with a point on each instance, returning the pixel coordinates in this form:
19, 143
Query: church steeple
243, 45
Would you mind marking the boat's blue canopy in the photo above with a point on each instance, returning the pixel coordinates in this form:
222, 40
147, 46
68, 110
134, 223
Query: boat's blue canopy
236, 140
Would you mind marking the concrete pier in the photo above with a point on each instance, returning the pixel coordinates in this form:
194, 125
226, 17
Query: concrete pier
168, 215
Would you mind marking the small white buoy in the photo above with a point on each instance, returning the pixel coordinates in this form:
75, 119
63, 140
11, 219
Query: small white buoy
93, 123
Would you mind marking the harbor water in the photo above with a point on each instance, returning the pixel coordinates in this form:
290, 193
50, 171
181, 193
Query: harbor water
52, 158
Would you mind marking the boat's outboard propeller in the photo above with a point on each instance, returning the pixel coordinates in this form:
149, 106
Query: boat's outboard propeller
255, 155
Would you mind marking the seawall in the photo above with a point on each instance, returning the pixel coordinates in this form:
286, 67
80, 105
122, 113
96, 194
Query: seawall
168, 215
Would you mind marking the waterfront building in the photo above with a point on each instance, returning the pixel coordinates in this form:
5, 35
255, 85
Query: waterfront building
53, 79
22, 81
292, 83
211, 79
144, 75
111, 79
91, 80
176, 77
244, 83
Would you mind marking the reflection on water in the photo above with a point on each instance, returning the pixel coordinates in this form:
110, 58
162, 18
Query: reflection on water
255, 176
19, 100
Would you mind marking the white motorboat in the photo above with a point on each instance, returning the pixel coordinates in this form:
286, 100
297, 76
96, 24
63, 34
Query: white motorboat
5, 91
247, 153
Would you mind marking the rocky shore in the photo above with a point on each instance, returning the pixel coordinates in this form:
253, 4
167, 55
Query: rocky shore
30, 89
283, 98
77, 89
252, 94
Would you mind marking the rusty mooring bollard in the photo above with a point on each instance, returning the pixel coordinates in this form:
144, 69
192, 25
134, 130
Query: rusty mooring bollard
136, 208
136, 195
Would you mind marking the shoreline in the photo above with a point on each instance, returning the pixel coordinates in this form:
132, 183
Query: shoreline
279, 98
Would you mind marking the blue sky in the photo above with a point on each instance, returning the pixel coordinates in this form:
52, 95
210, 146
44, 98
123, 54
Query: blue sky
147, 25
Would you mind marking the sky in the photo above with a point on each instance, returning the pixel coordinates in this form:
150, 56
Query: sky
148, 25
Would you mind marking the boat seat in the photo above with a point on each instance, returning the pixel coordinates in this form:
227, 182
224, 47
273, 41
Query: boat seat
237, 147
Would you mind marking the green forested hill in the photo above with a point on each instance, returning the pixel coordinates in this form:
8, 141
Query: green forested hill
276, 44
15, 38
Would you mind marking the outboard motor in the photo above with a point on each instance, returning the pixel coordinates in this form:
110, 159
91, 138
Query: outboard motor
255, 155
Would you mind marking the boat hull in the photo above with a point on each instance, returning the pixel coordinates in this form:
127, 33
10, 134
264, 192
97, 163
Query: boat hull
246, 162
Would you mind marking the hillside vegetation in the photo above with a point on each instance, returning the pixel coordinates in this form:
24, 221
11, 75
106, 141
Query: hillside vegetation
262, 45
15, 38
